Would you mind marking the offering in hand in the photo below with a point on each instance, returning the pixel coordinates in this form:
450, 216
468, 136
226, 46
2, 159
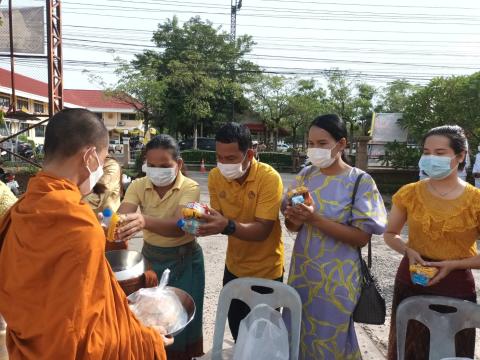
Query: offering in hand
192, 215
300, 195
111, 220
421, 275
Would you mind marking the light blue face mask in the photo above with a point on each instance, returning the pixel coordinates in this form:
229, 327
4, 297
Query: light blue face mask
436, 167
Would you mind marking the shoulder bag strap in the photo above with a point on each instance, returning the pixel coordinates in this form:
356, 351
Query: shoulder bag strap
354, 195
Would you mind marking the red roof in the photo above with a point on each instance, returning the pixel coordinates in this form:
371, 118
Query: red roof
82, 98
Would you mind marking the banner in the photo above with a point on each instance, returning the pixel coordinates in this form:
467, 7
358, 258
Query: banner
28, 30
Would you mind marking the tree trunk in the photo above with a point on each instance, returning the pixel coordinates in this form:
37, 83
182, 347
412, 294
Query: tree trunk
146, 122
294, 136
201, 129
351, 139
195, 135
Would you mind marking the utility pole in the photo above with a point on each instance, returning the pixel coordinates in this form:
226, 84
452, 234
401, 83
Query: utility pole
236, 5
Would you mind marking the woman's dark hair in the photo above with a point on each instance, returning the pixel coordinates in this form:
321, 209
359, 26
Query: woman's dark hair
165, 142
334, 125
456, 136
70, 130
235, 133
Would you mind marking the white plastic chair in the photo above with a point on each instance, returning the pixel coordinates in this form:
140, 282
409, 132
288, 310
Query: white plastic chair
282, 296
442, 326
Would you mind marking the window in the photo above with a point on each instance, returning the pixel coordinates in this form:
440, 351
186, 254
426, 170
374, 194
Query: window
22, 103
5, 101
128, 116
23, 126
38, 108
40, 131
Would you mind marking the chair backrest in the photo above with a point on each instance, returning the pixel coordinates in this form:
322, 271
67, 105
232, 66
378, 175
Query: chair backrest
282, 296
443, 326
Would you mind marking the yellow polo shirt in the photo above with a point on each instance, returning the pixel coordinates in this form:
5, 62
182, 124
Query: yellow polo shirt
142, 193
260, 197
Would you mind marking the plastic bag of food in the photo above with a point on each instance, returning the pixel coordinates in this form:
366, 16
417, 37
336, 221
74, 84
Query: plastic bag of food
299, 195
262, 336
192, 215
159, 307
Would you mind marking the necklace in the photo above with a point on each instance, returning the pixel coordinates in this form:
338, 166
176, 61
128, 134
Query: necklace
444, 193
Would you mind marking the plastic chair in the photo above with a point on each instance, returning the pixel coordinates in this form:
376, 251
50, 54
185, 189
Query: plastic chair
442, 326
282, 296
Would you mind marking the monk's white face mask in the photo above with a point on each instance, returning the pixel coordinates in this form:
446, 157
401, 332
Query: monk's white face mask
87, 186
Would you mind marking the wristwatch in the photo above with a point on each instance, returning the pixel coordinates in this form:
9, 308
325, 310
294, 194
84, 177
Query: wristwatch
230, 228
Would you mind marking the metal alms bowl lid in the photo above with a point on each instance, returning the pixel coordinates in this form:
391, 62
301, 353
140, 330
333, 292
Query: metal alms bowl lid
126, 264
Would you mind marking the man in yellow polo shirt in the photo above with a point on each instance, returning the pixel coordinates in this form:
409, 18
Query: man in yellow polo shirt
245, 196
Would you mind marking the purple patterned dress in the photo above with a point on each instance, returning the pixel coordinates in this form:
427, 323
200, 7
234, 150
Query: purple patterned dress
324, 271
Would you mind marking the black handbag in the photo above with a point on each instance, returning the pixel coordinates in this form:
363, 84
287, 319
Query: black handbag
370, 308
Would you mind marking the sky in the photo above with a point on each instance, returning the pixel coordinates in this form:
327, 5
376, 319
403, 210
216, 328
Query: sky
376, 41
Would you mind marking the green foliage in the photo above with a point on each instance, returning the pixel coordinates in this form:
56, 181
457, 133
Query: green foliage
452, 100
395, 96
400, 156
196, 156
276, 159
201, 70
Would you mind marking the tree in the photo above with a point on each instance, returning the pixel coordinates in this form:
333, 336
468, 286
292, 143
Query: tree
139, 89
201, 69
364, 106
452, 100
307, 102
270, 97
396, 95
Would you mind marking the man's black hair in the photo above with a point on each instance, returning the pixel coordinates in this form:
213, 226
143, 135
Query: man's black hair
235, 133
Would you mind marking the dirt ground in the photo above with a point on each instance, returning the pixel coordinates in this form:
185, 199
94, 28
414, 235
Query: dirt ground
372, 339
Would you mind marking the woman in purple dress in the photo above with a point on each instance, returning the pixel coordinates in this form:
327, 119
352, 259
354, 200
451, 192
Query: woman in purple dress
325, 267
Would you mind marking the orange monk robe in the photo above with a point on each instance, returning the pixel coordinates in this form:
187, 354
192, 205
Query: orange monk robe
58, 294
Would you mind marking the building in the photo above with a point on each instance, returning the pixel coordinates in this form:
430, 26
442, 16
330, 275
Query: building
32, 98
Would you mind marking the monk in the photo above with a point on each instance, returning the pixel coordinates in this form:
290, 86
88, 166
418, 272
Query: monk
58, 294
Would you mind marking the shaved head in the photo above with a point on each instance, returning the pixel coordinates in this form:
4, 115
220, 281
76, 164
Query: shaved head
71, 130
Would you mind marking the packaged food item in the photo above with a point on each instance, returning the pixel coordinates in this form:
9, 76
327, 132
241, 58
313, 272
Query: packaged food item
300, 195
159, 307
421, 275
111, 220
192, 215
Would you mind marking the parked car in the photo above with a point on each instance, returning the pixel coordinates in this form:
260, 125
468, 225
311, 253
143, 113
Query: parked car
202, 144
23, 148
283, 147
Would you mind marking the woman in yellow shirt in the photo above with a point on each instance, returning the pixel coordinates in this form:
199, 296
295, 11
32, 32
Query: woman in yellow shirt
160, 196
442, 213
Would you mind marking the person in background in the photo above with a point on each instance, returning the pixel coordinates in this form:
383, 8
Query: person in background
325, 267
476, 169
106, 193
12, 184
67, 303
443, 217
161, 195
245, 198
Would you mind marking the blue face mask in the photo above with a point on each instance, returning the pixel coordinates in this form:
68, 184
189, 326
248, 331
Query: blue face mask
436, 167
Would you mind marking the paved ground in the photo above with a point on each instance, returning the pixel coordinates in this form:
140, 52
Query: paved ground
372, 339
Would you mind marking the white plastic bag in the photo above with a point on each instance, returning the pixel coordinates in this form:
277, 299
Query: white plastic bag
159, 307
262, 336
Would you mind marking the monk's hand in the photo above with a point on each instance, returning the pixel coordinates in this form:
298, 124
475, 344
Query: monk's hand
214, 224
167, 340
151, 278
302, 213
444, 268
131, 224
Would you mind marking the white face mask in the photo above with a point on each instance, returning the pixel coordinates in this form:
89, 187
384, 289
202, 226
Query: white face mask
160, 176
321, 158
87, 186
232, 171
